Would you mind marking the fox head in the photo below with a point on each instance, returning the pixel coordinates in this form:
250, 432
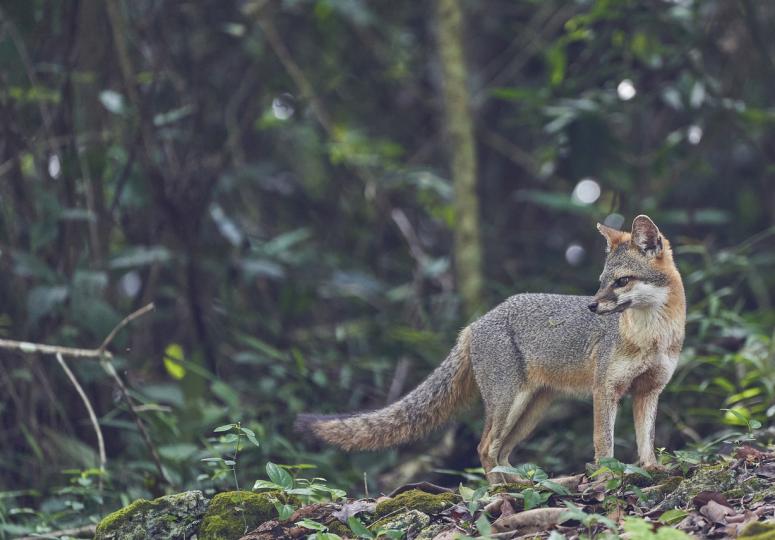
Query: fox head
639, 269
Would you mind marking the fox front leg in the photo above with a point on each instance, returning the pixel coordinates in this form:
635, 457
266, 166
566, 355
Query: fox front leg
605, 405
644, 412
645, 398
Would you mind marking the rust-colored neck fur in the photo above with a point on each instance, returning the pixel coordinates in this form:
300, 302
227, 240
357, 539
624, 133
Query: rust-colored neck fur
661, 329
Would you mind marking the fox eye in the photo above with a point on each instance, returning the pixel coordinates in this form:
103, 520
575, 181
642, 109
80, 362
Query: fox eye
622, 281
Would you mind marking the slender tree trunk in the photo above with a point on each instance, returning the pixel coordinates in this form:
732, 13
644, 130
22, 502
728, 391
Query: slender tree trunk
462, 151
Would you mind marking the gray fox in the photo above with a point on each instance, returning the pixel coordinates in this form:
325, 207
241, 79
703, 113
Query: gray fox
534, 347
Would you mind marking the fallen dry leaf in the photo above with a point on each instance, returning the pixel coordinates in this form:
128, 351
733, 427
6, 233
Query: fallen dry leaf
717, 512
353, 509
703, 497
537, 519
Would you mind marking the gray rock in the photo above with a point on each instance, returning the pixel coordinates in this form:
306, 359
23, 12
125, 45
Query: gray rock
411, 522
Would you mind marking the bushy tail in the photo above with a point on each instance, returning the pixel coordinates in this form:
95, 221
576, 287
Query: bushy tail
423, 409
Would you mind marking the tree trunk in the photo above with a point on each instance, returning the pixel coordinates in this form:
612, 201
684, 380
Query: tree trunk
462, 151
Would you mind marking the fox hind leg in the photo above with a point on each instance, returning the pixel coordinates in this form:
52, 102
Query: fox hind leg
501, 420
526, 423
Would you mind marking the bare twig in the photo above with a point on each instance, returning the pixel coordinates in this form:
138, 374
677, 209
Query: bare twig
90, 409
105, 358
98, 353
126, 320
40, 348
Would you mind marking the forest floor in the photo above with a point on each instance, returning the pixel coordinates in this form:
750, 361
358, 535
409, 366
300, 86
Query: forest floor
725, 497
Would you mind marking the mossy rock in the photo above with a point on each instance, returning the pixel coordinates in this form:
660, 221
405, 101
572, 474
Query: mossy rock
432, 531
414, 499
759, 530
410, 522
231, 511
716, 477
172, 516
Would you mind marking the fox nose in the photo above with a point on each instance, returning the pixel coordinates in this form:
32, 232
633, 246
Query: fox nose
593, 307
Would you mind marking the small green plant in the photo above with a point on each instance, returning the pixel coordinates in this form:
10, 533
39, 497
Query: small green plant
542, 489
473, 498
681, 459
591, 522
361, 531
308, 490
618, 484
232, 433
751, 424
321, 531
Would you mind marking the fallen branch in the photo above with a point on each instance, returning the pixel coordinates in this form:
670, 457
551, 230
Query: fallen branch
104, 356
90, 410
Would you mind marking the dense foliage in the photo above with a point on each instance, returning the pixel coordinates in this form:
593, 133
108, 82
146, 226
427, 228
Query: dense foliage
275, 176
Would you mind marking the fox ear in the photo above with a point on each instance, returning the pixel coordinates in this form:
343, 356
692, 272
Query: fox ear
646, 236
612, 236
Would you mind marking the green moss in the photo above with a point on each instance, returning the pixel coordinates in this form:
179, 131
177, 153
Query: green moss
766, 493
337, 527
119, 518
706, 478
230, 511
760, 530
171, 516
414, 499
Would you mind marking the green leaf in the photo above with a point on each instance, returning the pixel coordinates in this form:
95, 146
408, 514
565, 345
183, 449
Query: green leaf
225, 427
613, 465
173, 354
613, 483
483, 526
284, 511
528, 471
466, 492
252, 438
671, 517
634, 469
310, 524
555, 487
279, 476
532, 498
357, 527
302, 492
263, 484
737, 416
140, 256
